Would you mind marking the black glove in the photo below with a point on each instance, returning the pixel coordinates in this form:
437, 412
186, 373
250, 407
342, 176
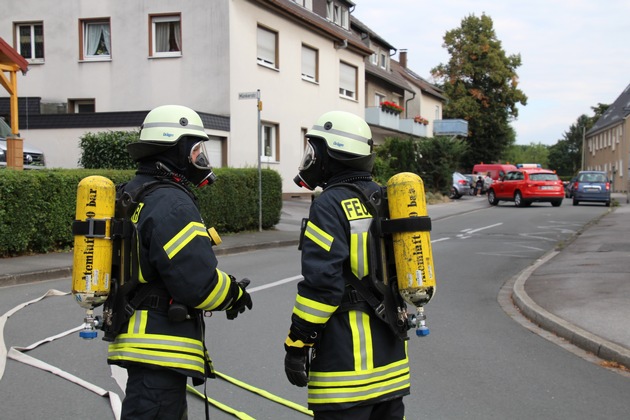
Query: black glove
296, 365
238, 307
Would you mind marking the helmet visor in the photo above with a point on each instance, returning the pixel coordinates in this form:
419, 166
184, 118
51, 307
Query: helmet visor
199, 156
308, 158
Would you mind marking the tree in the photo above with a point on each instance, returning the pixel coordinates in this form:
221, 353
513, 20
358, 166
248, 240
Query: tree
532, 153
481, 84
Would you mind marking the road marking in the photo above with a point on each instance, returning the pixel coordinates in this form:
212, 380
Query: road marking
275, 283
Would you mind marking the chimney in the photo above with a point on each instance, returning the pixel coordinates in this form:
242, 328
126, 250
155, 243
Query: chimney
403, 58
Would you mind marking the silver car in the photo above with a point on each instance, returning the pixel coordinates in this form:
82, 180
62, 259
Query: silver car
33, 157
460, 186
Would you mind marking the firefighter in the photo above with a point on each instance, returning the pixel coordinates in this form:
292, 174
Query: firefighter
163, 342
354, 365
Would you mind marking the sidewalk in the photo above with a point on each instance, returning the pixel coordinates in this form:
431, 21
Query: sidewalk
581, 293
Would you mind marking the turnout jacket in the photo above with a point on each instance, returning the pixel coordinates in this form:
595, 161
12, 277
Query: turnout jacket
175, 259
356, 358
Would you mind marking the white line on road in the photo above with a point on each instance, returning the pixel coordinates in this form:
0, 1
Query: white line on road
275, 283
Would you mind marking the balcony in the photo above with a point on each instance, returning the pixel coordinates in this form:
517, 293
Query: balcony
411, 127
450, 128
376, 116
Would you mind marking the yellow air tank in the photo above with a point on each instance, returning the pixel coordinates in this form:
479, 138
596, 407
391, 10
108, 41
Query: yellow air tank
412, 249
93, 246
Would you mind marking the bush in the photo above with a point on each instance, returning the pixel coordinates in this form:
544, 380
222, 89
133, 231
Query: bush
37, 207
107, 150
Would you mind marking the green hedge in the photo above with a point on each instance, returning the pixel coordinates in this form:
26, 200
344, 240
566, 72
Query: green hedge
37, 207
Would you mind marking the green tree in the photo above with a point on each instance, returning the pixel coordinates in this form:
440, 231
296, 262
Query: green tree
532, 153
481, 83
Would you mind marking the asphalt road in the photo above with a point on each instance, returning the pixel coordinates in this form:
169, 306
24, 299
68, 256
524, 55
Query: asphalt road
477, 363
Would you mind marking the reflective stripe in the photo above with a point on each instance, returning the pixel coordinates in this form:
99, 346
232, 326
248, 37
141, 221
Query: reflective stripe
348, 394
173, 125
218, 294
153, 357
313, 311
158, 341
321, 379
361, 340
342, 133
187, 234
318, 236
359, 247
138, 322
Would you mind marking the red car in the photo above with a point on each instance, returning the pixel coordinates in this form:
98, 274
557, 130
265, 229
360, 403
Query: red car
525, 186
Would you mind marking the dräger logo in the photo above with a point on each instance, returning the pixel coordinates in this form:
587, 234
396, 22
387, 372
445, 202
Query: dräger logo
167, 134
338, 144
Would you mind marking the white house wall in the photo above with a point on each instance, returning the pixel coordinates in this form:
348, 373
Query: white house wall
131, 81
289, 101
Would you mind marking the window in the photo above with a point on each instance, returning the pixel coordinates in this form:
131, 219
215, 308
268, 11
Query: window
383, 61
267, 48
30, 41
95, 40
166, 36
81, 106
378, 98
337, 14
374, 59
307, 4
309, 64
269, 143
348, 81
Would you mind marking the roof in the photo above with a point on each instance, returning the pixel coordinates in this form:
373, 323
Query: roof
417, 81
337, 33
615, 113
11, 58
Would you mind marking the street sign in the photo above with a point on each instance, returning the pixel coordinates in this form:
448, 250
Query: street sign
248, 95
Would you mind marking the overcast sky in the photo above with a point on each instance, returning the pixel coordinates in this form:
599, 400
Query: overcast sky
575, 53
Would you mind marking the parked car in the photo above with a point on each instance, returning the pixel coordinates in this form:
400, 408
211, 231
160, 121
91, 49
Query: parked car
525, 186
496, 170
568, 188
460, 186
33, 157
471, 180
591, 186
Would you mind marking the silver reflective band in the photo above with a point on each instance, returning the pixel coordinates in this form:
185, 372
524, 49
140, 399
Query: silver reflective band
173, 125
342, 133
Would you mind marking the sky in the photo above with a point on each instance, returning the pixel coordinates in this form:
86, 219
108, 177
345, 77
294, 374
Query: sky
575, 54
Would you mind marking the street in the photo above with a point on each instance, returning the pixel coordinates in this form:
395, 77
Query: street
477, 362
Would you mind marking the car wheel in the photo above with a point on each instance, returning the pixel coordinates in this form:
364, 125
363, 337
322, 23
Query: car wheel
453, 194
518, 199
492, 198
575, 202
556, 203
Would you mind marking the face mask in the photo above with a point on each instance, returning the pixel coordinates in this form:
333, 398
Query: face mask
311, 169
200, 172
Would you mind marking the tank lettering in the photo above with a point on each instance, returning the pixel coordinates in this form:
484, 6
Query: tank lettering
413, 199
88, 254
91, 198
416, 240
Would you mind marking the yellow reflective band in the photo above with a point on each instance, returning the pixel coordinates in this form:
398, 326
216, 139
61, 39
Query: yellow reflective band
187, 234
351, 378
359, 261
348, 394
297, 344
318, 236
313, 311
138, 322
218, 294
361, 340
158, 358
354, 209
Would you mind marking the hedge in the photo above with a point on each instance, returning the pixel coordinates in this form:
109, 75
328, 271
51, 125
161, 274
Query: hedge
37, 207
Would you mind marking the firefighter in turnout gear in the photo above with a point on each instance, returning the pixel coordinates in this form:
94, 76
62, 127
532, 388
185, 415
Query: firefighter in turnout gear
162, 343
355, 366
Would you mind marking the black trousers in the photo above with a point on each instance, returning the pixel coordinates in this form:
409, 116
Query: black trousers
387, 410
154, 394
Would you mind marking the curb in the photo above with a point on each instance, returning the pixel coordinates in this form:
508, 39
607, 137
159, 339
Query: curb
600, 347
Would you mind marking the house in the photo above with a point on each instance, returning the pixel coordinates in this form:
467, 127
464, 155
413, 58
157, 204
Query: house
241, 64
607, 143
